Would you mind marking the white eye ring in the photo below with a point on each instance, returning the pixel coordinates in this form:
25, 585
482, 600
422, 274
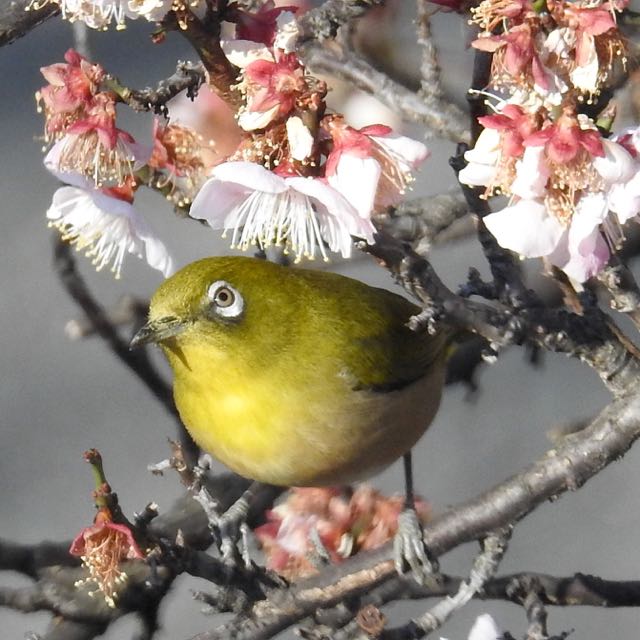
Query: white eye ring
226, 300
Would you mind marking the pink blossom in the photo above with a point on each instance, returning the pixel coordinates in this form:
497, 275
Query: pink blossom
103, 547
94, 147
372, 166
515, 53
260, 26
72, 86
564, 139
279, 208
272, 88
515, 124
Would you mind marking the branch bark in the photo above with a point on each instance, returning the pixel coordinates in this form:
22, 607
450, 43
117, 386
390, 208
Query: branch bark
16, 19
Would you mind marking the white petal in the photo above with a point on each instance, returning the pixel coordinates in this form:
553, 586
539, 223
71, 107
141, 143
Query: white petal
487, 148
216, 200
252, 120
52, 164
250, 175
478, 175
244, 52
357, 180
616, 165
300, 138
525, 228
585, 77
152, 10
624, 199
343, 220
485, 628
591, 211
106, 228
532, 174
406, 150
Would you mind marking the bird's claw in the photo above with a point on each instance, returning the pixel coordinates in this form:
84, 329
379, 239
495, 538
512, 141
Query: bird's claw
409, 550
232, 533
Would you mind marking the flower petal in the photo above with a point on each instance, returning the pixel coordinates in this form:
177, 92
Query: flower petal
357, 180
244, 52
616, 165
525, 228
250, 175
532, 174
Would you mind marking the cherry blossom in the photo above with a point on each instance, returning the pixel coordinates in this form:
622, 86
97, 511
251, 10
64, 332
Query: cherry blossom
71, 89
278, 208
94, 147
271, 88
261, 25
100, 14
103, 547
372, 167
104, 224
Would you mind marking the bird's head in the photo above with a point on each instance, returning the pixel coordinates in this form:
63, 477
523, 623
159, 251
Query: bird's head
226, 302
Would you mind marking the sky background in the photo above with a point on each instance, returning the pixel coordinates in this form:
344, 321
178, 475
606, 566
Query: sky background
58, 398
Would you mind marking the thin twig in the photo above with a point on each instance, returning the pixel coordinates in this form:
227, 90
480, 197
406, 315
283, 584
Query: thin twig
484, 568
189, 77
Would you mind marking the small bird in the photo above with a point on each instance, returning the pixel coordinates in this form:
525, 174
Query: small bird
296, 377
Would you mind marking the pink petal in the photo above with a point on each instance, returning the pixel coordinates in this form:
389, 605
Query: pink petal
525, 228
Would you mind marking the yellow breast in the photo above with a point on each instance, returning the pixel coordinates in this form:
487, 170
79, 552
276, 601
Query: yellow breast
301, 431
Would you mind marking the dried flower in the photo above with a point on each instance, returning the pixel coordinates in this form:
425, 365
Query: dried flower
343, 524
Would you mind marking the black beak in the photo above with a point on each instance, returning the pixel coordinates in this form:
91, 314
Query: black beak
157, 331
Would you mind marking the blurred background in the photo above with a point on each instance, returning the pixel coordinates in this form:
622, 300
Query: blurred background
59, 398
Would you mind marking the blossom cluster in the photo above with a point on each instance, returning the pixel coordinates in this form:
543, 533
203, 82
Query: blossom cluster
301, 177
297, 176
341, 525
100, 14
571, 185
103, 166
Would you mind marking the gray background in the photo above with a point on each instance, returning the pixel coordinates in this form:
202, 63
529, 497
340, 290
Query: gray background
58, 398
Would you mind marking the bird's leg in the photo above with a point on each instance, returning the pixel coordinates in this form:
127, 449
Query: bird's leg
408, 544
232, 527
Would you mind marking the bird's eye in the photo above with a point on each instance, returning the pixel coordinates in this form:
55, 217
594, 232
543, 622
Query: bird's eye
226, 301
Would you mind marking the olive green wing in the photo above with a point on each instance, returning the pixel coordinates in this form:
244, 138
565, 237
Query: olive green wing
373, 344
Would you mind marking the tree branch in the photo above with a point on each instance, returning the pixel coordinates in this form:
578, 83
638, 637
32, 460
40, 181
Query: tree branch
323, 22
188, 76
441, 118
16, 19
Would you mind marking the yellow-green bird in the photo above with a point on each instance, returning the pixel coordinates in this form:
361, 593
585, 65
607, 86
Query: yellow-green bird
295, 377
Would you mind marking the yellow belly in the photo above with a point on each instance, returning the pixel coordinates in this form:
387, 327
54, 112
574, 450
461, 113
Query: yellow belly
301, 431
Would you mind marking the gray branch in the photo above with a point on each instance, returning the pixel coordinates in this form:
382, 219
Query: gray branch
323, 22
16, 21
440, 118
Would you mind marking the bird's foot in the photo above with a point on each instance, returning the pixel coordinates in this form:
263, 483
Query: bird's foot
233, 533
409, 550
